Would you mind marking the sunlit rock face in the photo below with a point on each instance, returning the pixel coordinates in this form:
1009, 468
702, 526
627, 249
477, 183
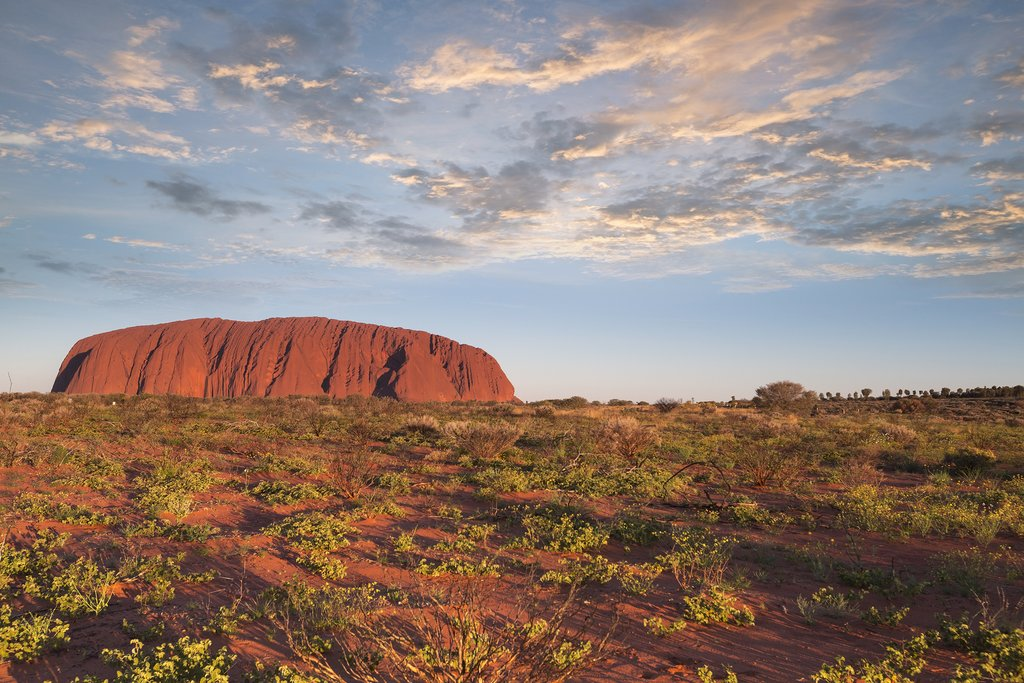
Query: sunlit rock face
211, 357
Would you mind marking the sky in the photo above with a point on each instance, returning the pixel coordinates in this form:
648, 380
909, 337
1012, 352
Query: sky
617, 200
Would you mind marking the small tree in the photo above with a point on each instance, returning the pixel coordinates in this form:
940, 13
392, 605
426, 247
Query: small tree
666, 405
785, 395
866, 393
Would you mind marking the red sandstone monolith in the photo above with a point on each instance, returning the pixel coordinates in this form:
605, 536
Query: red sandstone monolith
210, 357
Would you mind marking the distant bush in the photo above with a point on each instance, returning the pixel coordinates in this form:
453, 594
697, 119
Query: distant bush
483, 440
785, 396
666, 405
627, 438
968, 459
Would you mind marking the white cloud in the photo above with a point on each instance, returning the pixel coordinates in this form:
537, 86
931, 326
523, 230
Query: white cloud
142, 244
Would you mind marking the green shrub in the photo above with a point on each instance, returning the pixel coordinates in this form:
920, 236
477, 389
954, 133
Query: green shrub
460, 567
27, 637
903, 661
968, 459
638, 579
41, 506
323, 565
565, 532
706, 675
632, 528
313, 531
596, 569
698, 557
82, 588
187, 533
170, 488
283, 493
660, 628
715, 607
186, 661
277, 673
395, 483
998, 653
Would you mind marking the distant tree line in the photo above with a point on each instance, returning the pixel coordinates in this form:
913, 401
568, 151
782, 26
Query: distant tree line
945, 392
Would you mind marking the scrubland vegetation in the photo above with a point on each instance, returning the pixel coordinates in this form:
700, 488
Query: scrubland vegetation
170, 539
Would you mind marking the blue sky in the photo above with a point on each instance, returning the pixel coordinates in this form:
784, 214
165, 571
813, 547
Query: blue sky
619, 200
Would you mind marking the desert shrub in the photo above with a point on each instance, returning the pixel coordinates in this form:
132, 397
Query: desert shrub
596, 569
35, 561
706, 675
899, 461
784, 396
657, 626
627, 438
898, 434
458, 566
771, 461
698, 557
313, 531
81, 588
40, 506
422, 424
277, 673
188, 533
395, 483
827, 602
309, 616
352, 472
483, 441
502, 479
753, 515
998, 653
902, 663
227, 619
283, 493
664, 404
890, 617
170, 488
27, 637
185, 661
968, 459
558, 531
638, 579
714, 606
467, 538
323, 565
459, 636
632, 528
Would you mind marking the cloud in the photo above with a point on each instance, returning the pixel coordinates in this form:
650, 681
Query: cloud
187, 194
61, 266
1001, 170
982, 234
734, 38
137, 35
998, 126
336, 215
17, 139
142, 244
99, 134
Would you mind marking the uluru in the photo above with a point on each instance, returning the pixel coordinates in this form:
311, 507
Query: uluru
212, 357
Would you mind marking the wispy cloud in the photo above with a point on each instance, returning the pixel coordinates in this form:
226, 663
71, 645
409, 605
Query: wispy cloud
188, 194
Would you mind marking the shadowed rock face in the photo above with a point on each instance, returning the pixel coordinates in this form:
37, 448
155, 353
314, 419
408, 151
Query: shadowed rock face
211, 357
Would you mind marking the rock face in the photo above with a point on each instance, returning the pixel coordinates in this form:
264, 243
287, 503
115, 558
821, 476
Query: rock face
210, 357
